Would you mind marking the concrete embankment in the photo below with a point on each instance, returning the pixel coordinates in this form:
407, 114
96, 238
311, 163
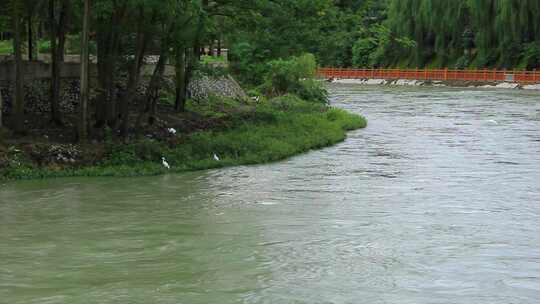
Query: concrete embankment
409, 82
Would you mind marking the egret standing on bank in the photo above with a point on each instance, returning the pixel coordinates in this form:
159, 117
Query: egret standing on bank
165, 163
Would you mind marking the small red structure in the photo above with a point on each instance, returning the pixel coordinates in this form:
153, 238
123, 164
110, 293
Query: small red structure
424, 74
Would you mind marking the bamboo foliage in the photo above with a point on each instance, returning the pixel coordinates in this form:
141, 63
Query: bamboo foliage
501, 28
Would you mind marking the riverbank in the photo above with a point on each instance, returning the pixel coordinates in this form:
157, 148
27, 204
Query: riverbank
222, 132
452, 83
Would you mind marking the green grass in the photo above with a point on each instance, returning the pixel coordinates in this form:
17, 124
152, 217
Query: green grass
6, 47
213, 59
276, 130
44, 46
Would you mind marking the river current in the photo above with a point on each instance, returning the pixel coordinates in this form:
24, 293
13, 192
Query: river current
437, 201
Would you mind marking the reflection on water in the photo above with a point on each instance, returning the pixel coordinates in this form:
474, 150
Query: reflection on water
437, 201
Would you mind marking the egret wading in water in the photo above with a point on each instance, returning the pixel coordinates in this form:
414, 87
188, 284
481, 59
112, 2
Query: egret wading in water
165, 163
216, 157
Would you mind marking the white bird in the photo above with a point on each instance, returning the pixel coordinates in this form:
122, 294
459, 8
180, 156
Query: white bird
165, 163
172, 131
216, 157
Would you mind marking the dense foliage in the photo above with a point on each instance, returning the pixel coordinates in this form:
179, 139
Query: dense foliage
124, 126
267, 40
406, 33
500, 33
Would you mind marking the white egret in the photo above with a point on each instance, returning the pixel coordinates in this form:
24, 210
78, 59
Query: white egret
172, 131
165, 163
216, 157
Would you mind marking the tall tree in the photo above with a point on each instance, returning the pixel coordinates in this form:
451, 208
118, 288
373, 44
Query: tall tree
30, 34
19, 69
57, 39
141, 44
1, 110
85, 85
109, 19
180, 79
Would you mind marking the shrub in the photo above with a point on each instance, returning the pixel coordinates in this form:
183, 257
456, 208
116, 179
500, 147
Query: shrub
389, 46
484, 58
361, 51
214, 60
254, 92
311, 90
531, 55
73, 45
284, 74
306, 66
6, 47
148, 150
248, 63
210, 70
293, 103
463, 62
44, 46
295, 76
281, 77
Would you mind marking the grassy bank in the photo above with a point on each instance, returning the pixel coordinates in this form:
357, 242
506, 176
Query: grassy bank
248, 133
6, 47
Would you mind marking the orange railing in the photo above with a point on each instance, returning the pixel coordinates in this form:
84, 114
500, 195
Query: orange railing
419, 74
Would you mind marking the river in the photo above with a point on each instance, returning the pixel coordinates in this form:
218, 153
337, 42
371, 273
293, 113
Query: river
437, 201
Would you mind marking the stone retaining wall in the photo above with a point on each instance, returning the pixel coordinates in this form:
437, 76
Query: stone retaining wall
202, 87
37, 70
37, 92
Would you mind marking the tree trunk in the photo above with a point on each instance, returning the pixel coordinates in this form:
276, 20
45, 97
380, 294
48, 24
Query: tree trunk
30, 35
198, 51
152, 93
105, 109
55, 67
106, 106
180, 70
61, 30
108, 45
1, 110
219, 47
191, 58
85, 87
40, 31
19, 93
134, 74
